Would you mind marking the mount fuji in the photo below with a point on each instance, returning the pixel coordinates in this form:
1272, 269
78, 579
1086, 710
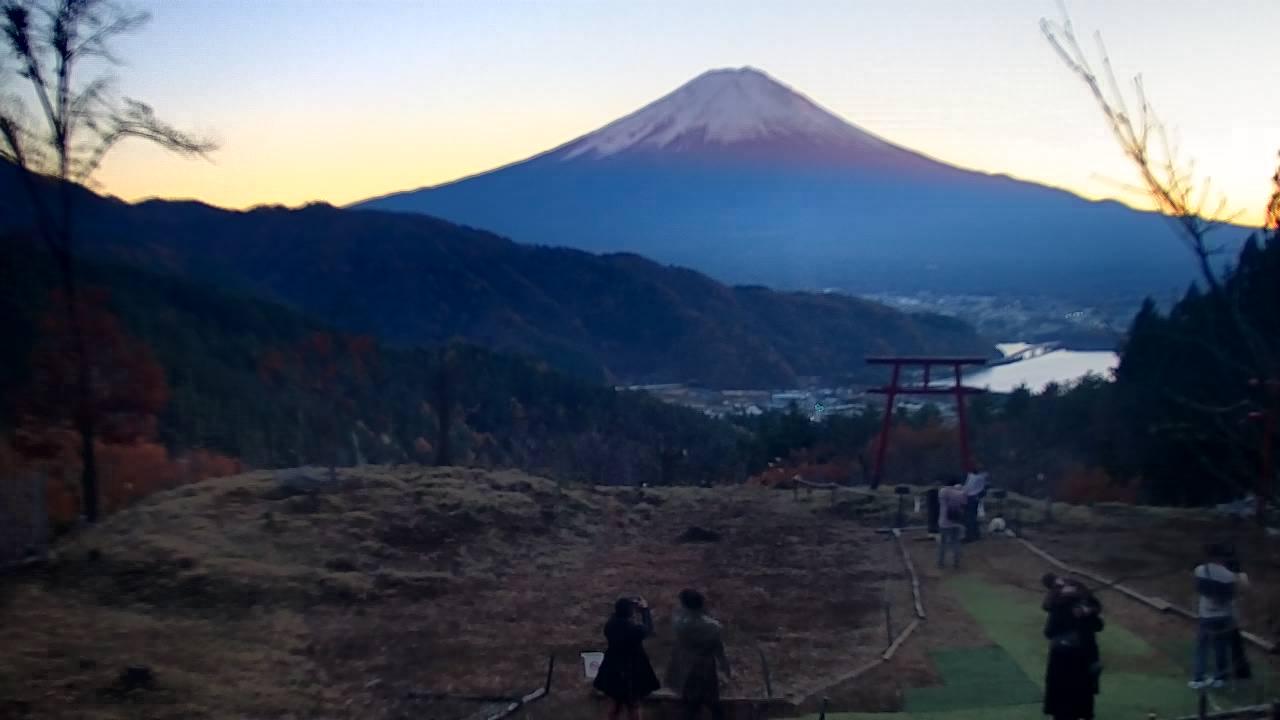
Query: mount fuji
739, 176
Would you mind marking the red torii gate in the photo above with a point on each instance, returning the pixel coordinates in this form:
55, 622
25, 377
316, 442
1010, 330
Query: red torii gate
894, 389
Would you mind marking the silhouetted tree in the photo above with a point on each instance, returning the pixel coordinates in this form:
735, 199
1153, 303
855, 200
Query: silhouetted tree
76, 123
1237, 359
1167, 180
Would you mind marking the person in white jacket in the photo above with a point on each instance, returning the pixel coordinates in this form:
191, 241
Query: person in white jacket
1216, 589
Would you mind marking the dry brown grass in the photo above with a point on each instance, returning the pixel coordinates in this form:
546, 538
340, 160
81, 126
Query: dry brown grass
411, 582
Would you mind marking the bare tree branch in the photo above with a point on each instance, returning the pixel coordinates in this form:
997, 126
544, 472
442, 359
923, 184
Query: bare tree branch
78, 125
96, 43
1240, 348
1169, 183
83, 122
138, 120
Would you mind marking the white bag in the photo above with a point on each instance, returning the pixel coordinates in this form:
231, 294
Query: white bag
591, 663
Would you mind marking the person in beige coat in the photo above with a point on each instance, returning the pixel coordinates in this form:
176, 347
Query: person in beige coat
698, 658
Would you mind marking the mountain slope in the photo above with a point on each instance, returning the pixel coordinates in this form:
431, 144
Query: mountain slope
411, 279
739, 176
214, 348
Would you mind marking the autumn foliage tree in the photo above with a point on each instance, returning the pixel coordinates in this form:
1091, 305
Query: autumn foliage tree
920, 454
126, 389
127, 385
44, 44
1081, 484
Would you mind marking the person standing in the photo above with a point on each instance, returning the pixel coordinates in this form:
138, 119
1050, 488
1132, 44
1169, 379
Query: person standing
975, 489
625, 674
951, 517
1074, 669
698, 658
1216, 587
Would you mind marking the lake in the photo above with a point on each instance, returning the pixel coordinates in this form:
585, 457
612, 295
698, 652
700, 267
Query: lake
1058, 366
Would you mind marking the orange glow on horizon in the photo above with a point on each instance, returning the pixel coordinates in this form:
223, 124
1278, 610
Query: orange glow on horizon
344, 180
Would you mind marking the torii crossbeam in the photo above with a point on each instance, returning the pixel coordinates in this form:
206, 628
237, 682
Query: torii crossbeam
894, 389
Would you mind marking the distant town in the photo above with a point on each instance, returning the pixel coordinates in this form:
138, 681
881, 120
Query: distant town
817, 403
1049, 325
1074, 325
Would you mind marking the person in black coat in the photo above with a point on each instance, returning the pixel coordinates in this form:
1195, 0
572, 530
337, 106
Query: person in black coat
1075, 663
625, 674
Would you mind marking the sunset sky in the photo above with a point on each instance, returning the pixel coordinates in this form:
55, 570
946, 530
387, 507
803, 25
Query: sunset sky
341, 100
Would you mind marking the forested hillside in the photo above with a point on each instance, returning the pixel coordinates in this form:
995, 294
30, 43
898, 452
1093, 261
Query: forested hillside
410, 279
261, 383
1197, 384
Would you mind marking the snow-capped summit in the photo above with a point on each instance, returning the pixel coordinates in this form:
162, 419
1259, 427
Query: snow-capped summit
727, 107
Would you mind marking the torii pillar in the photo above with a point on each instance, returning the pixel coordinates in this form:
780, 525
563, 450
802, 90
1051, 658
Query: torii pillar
895, 388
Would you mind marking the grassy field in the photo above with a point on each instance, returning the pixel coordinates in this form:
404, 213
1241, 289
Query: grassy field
433, 593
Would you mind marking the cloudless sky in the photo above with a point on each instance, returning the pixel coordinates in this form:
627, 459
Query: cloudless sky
339, 100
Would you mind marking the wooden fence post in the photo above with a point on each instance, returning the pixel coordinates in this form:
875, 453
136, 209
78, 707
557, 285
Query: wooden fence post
764, 668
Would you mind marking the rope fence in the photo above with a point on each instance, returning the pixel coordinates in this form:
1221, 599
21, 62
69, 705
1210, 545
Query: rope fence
911, 570
798, 482
534, 696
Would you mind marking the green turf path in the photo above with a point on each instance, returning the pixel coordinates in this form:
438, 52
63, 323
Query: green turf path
973, 678
1137, 678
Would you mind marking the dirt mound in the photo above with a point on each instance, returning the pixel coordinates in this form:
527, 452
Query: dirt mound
372, 534
395, 592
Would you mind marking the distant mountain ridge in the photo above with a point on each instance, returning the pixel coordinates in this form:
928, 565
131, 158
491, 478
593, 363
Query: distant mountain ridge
412, 279
739, 176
